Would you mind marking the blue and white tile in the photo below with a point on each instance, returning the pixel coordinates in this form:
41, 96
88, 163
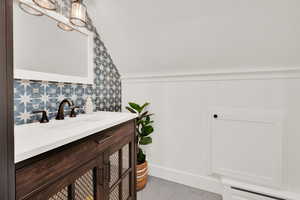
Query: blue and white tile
19, 89
102, 47
104, 91
97, 61
19, 107
97, 41
89, 90
25, 98
67, 90
97, 71
105, 55
97, 51
25, 82
79, 102
53, 90
35, 89
61, 97
35, 104
111, 92
52, 105
101, 67
79, 90
97, 81
73, 97
25, 117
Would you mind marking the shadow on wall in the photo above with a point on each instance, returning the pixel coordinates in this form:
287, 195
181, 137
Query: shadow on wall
42, 95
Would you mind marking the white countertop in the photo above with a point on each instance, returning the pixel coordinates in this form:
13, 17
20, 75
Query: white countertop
34, 139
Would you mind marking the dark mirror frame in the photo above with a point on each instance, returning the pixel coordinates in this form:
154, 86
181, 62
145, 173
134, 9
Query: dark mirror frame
7, 166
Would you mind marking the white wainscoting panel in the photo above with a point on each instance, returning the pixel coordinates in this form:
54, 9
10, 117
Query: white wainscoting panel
247, 145
181, 149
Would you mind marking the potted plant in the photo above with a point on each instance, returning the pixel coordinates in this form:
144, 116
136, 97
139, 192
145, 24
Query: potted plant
144, 129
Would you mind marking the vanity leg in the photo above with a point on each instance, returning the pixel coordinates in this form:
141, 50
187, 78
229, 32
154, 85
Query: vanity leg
133, 150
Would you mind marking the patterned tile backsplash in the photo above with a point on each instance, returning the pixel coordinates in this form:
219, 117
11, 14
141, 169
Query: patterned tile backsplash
41, 95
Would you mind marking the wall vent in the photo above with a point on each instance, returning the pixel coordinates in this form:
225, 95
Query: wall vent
256, 193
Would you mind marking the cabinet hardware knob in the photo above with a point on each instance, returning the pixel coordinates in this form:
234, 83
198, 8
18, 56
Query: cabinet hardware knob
215, 116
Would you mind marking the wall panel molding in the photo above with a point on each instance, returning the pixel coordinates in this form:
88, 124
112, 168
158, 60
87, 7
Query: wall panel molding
262, 74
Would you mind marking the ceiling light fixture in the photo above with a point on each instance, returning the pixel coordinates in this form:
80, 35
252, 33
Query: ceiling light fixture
46, 4
64, 26
29, 10
78, 14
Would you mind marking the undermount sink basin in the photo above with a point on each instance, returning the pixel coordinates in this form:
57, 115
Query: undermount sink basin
80, 120
36, 138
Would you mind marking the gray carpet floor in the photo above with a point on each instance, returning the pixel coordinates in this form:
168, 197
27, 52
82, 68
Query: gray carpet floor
159, 189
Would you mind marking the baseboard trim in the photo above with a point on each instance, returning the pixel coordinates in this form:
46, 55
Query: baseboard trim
258, 74
209, 184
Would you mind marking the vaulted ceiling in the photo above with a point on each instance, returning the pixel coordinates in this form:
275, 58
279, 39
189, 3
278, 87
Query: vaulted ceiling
173, 36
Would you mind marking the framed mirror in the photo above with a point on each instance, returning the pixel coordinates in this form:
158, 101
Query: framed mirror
43, 51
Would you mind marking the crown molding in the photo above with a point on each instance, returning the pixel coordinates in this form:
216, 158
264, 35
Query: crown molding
259, 74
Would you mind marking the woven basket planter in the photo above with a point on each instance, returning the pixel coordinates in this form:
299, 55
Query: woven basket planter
142, 176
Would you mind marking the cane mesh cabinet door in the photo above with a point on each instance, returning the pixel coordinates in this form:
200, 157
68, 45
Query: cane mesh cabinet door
122, 169
84, 183
61, 195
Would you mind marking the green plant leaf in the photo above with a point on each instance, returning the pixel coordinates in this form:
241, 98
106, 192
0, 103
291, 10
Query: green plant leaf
145, 105
130, 109
145, 140
149, 115
141, 157
138, 122
135, 106
147, 130
148, 121
143, 115
147, 118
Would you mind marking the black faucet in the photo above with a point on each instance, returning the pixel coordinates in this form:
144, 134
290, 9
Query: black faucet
44, 118
60, 113
73, 112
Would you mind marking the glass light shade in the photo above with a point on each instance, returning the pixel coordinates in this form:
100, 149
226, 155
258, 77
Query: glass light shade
78, 15
64, 26
47, 4
29, 9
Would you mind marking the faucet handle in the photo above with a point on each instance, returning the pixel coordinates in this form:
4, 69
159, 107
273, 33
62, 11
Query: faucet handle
73, 113
44, 118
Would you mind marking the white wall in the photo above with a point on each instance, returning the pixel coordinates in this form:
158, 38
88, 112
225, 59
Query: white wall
213, 37
180, 151
196, 35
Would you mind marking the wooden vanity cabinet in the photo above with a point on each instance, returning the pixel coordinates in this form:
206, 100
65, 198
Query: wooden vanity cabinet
99, 167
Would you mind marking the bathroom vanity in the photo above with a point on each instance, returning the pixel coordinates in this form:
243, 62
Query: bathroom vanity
88, 157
